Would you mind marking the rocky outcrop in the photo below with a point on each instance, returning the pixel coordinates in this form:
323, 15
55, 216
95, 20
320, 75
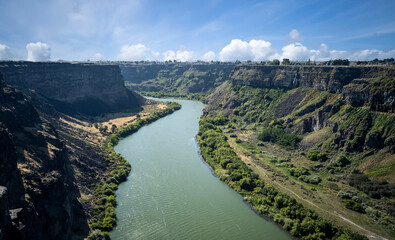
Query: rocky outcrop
38, 195
358, 85
73, 87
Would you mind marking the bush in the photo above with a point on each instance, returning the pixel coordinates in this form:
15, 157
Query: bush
316, 155
342, 161
280, 137
375, 189
355, 206
98, 235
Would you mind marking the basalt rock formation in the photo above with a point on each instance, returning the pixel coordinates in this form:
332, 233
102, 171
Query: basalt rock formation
362, 85
180, 78
73, 88
37, 190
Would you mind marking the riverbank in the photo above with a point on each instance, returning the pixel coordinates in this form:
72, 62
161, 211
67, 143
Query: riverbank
266, 200
103, 216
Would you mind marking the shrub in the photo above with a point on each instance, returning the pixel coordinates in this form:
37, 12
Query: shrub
342, 161
98, 235
316, 155
280, 137
355, 206
375, 189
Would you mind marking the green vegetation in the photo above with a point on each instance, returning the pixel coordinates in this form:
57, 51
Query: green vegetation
375, 189
163, 94
355, 206
103, 217
284, 210
98, 235
280, 137
316, 155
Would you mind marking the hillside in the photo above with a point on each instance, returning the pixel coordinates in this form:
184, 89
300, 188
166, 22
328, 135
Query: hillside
175, 79
38, 190
323, 135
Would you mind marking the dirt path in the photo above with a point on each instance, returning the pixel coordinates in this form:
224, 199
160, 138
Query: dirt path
260, 170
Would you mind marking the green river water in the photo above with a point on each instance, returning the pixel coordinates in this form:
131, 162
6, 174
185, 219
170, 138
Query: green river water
172, 194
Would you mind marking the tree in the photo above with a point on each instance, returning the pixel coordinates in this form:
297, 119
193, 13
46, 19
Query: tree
97, 235
113, 128
286, 61
275, 62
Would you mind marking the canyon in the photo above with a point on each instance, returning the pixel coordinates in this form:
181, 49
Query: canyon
51, 152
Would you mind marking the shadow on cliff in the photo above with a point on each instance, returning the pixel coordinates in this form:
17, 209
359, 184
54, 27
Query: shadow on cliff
93, 107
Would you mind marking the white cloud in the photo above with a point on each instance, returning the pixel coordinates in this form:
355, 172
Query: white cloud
236, 50
367, 54
256, 50
38, 52
180, 55
155, 54
261, 50
295, 36
97, 57
133, 52
209, 56
5, 52
296, 52
299, 52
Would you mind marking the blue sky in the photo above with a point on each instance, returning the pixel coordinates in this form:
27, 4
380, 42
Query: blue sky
189, 30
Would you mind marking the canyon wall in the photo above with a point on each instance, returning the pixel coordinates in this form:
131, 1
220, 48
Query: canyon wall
181, 78
360, 85
37, 191
73, 87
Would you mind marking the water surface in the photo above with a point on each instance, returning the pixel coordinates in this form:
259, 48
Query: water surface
172, 194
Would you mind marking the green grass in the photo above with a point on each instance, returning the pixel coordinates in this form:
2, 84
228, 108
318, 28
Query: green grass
381, 171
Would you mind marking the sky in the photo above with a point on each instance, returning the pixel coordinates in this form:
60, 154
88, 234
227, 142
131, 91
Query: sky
189, 30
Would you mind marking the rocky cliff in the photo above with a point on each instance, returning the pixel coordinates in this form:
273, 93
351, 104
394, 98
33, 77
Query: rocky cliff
176, 78
358, 85
37, 191
73, 87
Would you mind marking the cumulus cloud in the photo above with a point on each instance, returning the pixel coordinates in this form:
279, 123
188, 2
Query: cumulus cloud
133, 52
367, 54
180, 55
97, 57
155, 54
38, 52
295, 36
5, 52
256, 50
299, 52
209, 56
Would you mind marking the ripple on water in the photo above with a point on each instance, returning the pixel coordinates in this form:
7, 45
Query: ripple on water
172, 194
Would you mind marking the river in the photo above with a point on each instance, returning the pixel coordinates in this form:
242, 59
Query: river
172, 194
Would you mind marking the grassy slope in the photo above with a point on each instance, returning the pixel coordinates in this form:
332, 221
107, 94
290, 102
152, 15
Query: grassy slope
260, 108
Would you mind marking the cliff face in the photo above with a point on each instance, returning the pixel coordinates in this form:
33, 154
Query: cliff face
38, 195
354, 105
356, 84
73, 87
175, 78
